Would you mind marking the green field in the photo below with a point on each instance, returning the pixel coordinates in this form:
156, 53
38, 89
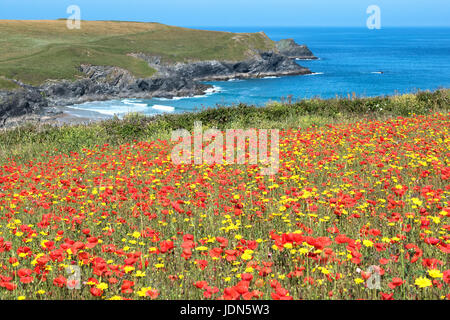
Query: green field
36, 51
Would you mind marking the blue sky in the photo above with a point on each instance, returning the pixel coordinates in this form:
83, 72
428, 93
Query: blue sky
238, 12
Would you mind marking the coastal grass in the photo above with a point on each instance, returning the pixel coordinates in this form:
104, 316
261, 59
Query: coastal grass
31, 141
36, 51
8, 84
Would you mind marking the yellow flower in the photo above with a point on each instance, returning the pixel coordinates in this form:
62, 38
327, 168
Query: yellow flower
359, 281
325, 271
368, 243
247, 255
434, 273
303, 251
159, 265
416, 201
128, 269
136, 234
139, 273
102, 286
288, 245
423, 282
21, 298
143, 291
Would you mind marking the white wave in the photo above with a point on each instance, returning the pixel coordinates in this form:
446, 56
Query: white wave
170, 99
110, 110
271, 77
297, 59
163, 108
208, 92
212, 90
134, 103
314, 74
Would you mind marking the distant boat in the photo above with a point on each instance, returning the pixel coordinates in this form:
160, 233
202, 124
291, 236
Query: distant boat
378, 72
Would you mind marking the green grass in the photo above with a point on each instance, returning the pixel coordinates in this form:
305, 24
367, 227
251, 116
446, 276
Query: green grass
8, 84
36, 51
30, 141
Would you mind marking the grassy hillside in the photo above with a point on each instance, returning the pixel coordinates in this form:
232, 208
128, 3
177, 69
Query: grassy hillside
35, 51
31, 141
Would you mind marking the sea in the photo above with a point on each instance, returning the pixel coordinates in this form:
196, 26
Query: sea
352, 61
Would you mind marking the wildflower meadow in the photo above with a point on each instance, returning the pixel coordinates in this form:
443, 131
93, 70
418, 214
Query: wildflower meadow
356, 210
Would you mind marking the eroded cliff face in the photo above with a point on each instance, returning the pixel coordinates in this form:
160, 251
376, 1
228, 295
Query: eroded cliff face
262, 65
103, 83
291, 49
171, 80
20, 102
267, 64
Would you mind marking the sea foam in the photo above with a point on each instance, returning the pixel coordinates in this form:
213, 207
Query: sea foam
163, 108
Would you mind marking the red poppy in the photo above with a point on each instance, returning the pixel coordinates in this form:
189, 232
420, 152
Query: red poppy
60, 281
387, 296
96, 292
395, 283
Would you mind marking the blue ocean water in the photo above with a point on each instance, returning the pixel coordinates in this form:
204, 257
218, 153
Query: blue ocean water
351, 60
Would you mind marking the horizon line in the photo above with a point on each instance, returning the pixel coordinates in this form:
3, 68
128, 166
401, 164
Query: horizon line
241, 26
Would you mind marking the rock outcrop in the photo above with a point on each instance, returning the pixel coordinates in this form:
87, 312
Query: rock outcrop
291, 49
21, 102
267, 64
262, 65
104, 83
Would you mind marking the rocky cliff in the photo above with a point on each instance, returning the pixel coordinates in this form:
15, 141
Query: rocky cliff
103, 83
21, 102
180, 79
291, 49
263, 65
